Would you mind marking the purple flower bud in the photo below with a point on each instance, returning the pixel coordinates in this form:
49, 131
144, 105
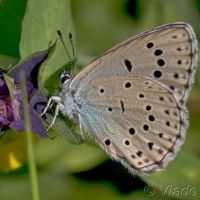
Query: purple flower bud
11, 109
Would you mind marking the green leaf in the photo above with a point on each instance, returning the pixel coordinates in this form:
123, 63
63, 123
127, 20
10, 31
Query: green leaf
39, 26
63, 128
11, 14
60, 155
7, 61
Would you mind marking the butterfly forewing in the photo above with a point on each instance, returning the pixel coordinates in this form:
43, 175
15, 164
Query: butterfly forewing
167, 54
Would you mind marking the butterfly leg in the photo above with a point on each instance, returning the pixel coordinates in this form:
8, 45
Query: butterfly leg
50, 103
58, 107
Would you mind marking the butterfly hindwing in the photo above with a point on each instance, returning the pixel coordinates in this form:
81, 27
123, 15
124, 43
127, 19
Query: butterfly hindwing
136, 120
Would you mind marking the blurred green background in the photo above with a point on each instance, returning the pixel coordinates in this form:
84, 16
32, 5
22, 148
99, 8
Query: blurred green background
67, 171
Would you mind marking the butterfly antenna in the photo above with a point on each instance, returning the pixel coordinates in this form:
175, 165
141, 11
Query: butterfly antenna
64, 45
73, 51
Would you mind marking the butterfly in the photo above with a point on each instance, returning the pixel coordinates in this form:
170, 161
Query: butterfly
131, 100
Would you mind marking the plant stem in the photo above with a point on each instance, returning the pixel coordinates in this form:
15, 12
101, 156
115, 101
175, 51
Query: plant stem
30, 150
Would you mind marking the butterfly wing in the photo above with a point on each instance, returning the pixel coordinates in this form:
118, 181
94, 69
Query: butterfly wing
136, 120
132, 98
167, 54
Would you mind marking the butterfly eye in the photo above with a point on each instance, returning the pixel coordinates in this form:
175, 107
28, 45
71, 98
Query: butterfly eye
65, 76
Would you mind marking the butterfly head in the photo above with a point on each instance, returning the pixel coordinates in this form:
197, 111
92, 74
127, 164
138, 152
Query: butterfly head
65, 77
